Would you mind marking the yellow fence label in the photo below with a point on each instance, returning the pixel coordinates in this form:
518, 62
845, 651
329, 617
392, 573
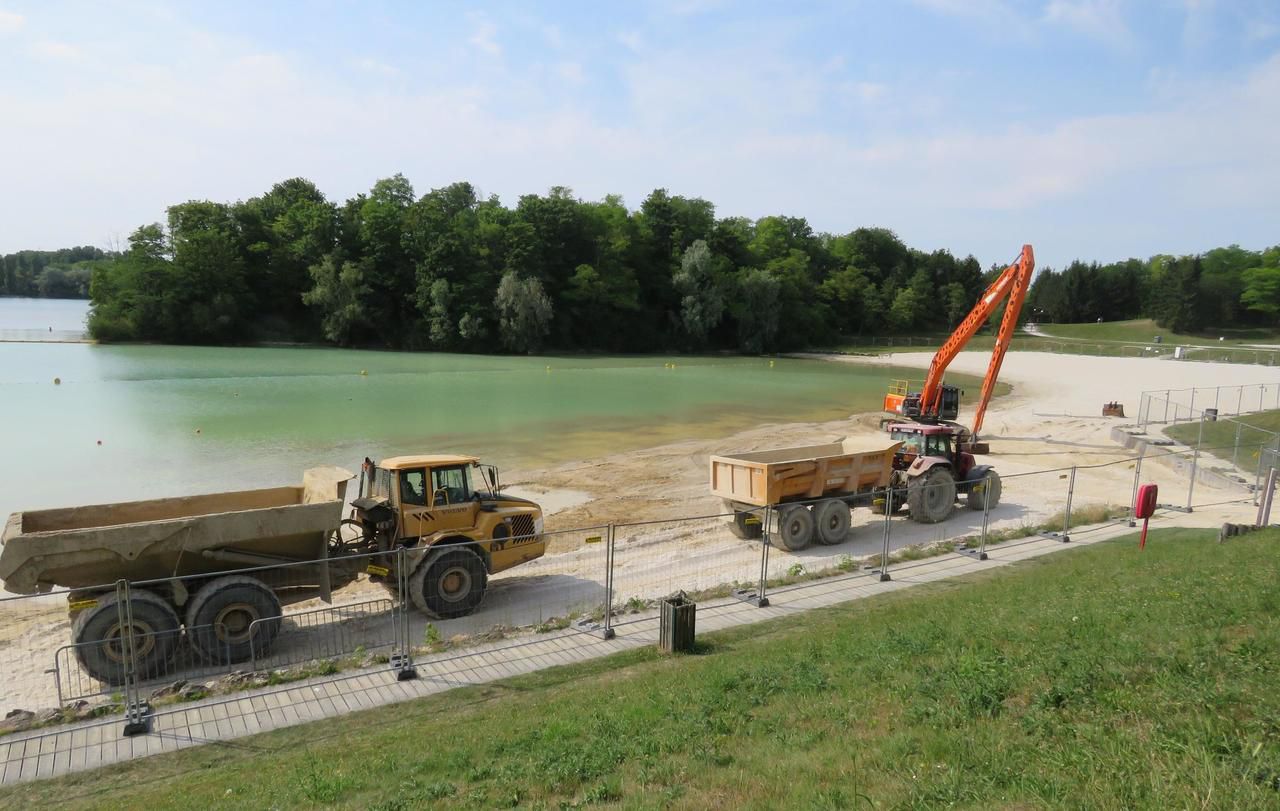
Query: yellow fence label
593, 539
80, 605
751, 519
380, 571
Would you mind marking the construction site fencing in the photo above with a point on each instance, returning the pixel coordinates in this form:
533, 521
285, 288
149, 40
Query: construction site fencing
602, 581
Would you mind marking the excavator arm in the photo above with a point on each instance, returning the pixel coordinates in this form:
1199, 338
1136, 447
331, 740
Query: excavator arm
1011, 283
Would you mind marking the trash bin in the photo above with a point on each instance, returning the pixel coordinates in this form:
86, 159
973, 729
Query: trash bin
1211, 414
675, 623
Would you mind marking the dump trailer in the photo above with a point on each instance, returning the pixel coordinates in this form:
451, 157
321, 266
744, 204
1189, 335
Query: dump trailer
214, 571
811, 489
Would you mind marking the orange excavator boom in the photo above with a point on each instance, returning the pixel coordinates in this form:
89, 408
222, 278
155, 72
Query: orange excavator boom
1013, 283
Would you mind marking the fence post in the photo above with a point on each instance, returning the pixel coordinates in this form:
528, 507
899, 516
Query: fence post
762, 596
402, 659
1235, 449
1137, 474
137, 713
1195, 461
1264, 509
1239, 398
884, 552
608, 632
1261, 390
986, 520
1191, 409
1066, 518
1166, 407
1216, 394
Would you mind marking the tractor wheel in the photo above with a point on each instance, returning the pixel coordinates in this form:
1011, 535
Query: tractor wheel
232, 619
450, 586
978, 498
931, 495
795, 528
746, 526
832, 519
99, 648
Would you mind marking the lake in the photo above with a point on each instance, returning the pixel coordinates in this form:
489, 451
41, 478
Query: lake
174, 420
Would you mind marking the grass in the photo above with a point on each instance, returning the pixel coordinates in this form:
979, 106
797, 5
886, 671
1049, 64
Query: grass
1103, 678
1108, 339
1257, 430
1142, 330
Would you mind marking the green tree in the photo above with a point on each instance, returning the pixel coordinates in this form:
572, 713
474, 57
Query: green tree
338, 294
525, 312
1262, 284
756, 310
701, 300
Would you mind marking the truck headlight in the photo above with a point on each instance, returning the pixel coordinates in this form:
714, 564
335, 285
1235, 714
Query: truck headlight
537, 525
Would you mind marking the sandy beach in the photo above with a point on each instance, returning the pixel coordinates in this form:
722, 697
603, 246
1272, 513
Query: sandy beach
1050, 421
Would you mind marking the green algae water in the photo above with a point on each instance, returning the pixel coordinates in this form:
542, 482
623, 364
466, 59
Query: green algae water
174, 420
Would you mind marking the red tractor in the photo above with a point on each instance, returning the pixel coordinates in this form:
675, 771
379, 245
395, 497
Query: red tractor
934, 471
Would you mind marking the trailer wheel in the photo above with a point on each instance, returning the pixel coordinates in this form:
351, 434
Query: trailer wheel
795, 528
450, 586
977, 498
99, 648
832, 518
931, 495
221, 619
747, 526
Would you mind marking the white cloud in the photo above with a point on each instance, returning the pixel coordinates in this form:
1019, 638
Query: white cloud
484, 37
55, 51
571, 72
10, 22
632, 40
1260, 30
374, 66
1098, 19
870, 91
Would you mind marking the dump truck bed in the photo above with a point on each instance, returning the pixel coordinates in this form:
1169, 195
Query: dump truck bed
834, 470
81, 547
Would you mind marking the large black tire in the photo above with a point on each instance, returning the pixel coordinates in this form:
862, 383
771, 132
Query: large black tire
832, 520
977, 498
795, 528
747, 526
931, 496
97, 632
221, 617
450, 586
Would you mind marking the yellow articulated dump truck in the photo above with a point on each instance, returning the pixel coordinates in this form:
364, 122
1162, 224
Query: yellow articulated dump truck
214, 571
811, 489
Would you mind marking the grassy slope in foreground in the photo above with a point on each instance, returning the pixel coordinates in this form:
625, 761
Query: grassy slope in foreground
1101, 678
1142, 330
1220, 435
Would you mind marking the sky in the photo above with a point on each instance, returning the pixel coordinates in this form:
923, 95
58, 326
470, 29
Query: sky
1092, 129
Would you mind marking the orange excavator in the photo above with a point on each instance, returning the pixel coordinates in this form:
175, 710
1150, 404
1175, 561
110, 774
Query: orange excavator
937, 402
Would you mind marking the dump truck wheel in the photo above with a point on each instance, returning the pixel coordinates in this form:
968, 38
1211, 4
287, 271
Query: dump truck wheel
931, 496
221, 617
832, 518
747, 526
977, 498
97, 633
795, 528
450, 586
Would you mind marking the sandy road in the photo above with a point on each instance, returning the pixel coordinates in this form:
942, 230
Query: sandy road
1048, 423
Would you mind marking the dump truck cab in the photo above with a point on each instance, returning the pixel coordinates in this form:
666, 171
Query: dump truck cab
451, 510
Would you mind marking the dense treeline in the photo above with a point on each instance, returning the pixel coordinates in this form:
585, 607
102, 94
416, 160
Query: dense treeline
451, 270
63, 273
1226, 286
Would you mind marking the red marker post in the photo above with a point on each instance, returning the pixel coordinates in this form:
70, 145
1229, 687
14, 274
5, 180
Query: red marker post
1144, 507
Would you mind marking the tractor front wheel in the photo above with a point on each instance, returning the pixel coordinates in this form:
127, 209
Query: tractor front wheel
931, 495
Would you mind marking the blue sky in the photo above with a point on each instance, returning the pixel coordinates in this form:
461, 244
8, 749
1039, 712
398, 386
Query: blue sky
1098, 129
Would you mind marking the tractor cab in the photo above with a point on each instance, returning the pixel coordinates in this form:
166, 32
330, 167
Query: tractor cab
927, 445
